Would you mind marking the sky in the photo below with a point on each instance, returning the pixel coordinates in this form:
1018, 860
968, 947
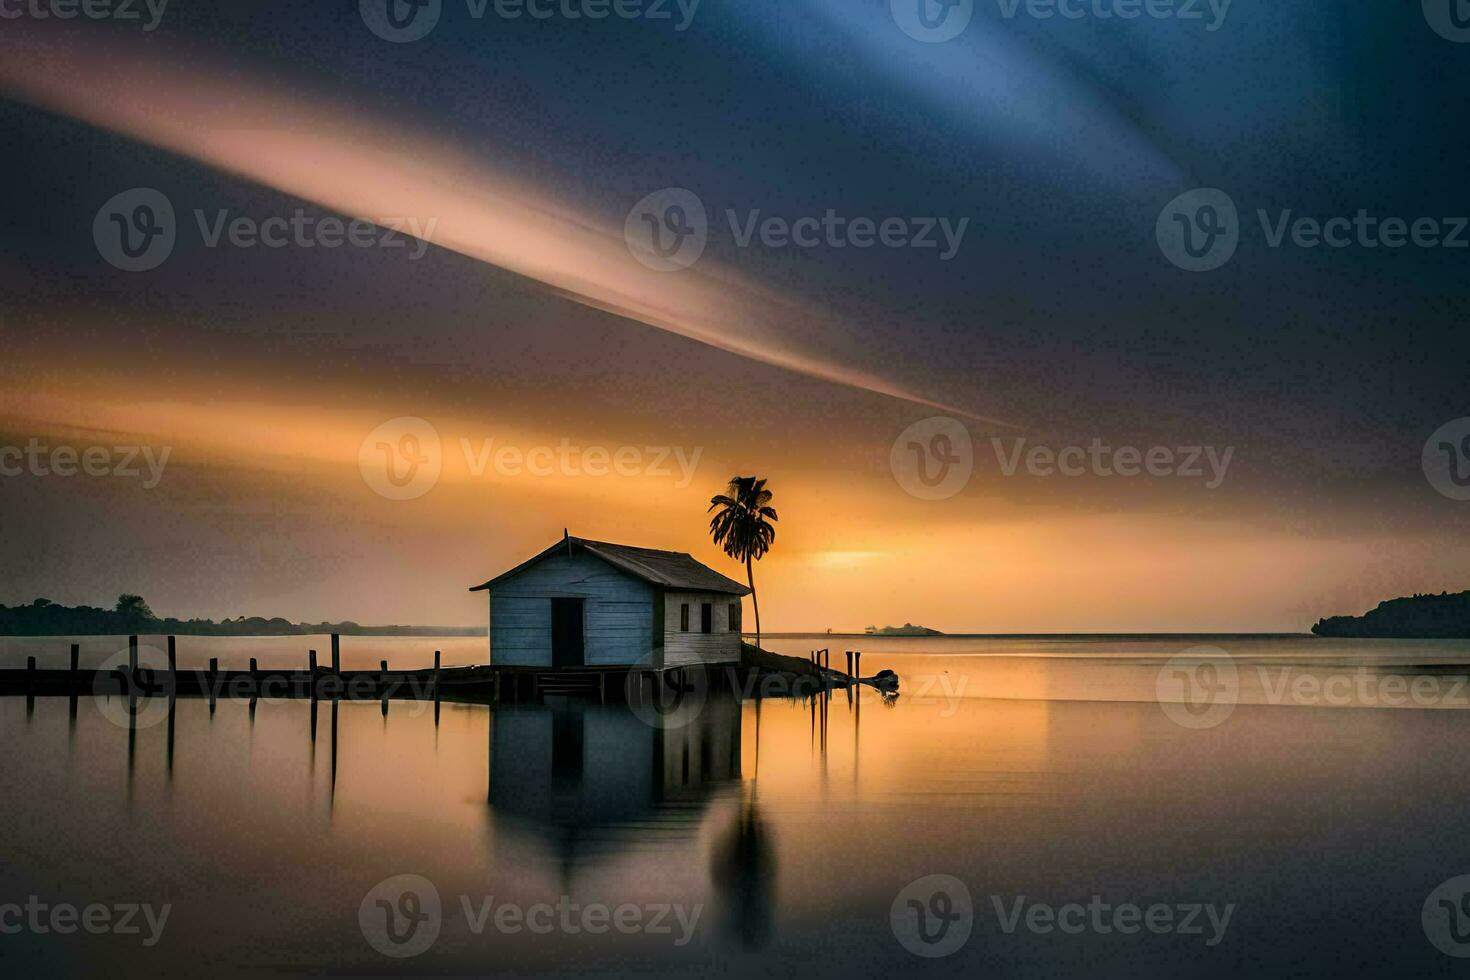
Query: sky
587, 319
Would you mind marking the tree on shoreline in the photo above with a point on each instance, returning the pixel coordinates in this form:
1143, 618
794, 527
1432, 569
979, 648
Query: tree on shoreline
743, 528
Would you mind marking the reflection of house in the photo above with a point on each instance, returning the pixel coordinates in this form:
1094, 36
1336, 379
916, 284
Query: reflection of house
571, 767
586, 603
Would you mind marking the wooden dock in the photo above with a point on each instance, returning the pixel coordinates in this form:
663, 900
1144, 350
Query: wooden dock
485, 684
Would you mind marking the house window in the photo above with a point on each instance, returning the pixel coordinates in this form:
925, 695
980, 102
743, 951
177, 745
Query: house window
734, 617
706, 617
684, 618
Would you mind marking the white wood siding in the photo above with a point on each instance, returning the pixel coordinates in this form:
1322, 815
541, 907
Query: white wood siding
718, 646
617, 616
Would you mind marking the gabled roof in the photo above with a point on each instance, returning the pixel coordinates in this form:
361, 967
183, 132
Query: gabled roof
667, 569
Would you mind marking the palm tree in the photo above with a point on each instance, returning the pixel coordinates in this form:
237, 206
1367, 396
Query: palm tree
743, 528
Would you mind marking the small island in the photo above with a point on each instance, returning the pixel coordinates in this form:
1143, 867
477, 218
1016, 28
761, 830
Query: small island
907, 629
1437, 617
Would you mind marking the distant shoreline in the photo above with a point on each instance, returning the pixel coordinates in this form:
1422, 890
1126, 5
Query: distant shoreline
1418, 617
326, 630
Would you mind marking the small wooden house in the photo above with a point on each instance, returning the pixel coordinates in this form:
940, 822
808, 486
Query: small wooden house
586, 603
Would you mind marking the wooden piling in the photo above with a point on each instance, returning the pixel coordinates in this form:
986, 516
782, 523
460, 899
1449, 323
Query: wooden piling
132, 657
311, 662
30, 673
173, 666
336, 654
76, 657
436, 675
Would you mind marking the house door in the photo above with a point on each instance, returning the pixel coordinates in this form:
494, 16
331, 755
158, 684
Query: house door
566, 633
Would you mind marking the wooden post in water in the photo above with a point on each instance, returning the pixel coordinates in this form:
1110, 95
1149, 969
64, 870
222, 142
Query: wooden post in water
436, 675
336, 654
76, 656
173, 666
30, 673
213, 673
254, 686
132, 658
857, 656
311, 682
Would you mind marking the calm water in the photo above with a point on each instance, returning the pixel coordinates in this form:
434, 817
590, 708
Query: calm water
1316, 802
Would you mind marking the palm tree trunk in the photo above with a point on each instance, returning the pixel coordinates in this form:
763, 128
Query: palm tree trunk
750, 577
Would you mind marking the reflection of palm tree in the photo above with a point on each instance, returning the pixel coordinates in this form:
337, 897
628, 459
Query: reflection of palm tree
744, 869
743, 528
